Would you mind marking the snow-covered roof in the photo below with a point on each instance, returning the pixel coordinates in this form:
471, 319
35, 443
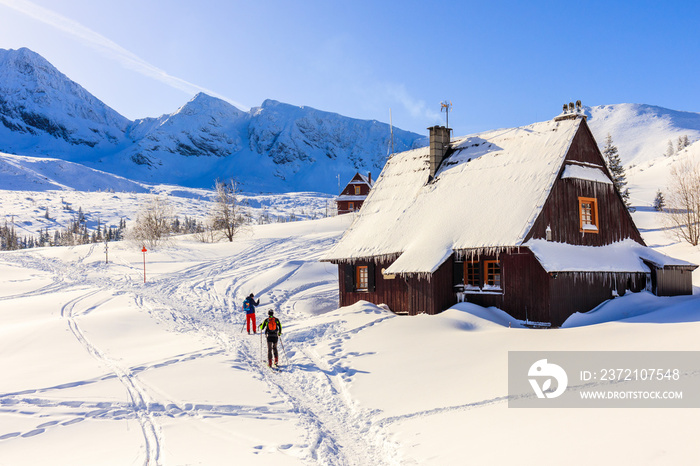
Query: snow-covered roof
623, 256
585, 173
486, 194
347, 197
364, 180
660, 260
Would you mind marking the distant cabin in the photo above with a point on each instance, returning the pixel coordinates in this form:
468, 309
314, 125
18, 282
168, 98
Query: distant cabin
354, 193
523, 219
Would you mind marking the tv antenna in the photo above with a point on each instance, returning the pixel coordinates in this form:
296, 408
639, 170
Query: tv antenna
391, 135
446, 106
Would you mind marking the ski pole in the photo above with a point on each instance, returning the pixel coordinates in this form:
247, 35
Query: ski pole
284, 351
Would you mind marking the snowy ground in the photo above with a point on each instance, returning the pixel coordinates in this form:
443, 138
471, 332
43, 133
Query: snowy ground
101, 368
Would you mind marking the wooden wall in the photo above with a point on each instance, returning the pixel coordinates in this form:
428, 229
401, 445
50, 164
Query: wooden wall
526, 286
529, 292
582, 292
403, 295
672, 281
344, 207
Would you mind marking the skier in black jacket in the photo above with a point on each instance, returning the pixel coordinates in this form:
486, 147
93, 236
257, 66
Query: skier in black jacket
273, 330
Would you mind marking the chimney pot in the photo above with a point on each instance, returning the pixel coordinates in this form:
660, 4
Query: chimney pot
439, 143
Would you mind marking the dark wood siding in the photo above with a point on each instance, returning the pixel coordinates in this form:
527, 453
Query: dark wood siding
344, 206
525, 286
561, 210
404, 295
582, 292
671, 281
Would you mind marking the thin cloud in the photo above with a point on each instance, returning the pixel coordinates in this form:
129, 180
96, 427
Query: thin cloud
416, 108
108, 47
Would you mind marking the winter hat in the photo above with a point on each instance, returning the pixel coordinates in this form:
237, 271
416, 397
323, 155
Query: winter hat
270, 313
251, 295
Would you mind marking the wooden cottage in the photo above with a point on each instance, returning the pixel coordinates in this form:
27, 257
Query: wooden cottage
354, 193
524, 219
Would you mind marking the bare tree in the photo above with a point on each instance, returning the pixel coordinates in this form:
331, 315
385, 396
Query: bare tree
206, 233
225, 215
682, 202
152, 224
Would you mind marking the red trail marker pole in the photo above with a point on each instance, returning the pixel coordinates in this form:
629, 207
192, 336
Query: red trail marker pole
144, 251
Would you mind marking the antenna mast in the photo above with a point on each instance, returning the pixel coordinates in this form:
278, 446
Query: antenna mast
391, 134
446, 106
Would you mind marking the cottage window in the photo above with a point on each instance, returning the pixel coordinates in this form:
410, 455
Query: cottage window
357, 190
471, 274
588, 214
492, 274
351, 206
362, 278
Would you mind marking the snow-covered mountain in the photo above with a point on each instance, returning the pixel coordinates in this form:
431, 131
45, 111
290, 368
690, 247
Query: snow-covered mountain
276, 147
42, 111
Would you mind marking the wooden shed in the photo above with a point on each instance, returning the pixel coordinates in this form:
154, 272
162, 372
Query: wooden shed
524, 219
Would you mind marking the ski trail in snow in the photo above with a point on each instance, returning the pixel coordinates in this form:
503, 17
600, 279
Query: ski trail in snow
138, 396
338, 431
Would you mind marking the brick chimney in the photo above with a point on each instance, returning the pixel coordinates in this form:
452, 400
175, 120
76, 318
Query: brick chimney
439, 143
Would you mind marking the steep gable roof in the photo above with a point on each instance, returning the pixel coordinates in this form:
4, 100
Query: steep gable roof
486, 195
357, 180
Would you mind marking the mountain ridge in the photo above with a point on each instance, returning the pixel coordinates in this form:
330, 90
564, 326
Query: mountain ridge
276, 147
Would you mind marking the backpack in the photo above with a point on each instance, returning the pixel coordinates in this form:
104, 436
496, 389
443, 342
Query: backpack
246, 305
272, 324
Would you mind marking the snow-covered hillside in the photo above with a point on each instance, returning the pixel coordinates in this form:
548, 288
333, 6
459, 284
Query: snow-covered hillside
273, 148
38, 193
642, 133
23, 173
99, 367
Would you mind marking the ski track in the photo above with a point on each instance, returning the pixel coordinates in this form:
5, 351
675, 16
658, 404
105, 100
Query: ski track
338, 431
138, 396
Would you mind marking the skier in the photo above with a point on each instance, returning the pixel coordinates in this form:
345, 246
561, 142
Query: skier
249, 308
273, 330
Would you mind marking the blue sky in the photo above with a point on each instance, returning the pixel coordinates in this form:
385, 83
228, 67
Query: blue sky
500, 63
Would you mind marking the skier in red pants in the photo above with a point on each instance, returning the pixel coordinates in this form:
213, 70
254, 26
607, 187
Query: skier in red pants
249, 308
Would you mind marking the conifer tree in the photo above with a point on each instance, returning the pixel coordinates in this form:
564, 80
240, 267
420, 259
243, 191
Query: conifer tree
683, 142
669, 149
659, 201
612, 158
